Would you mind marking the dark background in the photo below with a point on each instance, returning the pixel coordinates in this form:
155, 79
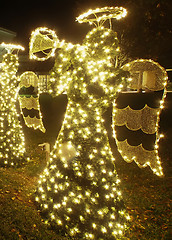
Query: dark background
146, 32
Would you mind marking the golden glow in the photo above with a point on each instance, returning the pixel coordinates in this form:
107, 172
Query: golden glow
86, 73
11, 47
99, 15
80, 186
146, 119
12, 147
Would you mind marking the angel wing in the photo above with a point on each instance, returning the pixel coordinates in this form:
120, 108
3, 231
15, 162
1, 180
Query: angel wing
136, 115
31, 102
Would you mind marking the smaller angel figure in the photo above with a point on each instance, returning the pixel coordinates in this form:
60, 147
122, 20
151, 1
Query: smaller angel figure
12, 142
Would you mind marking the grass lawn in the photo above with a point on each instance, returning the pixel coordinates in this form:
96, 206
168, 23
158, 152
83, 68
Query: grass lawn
19, 218
147, 197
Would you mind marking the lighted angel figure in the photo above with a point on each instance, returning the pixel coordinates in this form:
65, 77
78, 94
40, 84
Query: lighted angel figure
79, 189
12, 142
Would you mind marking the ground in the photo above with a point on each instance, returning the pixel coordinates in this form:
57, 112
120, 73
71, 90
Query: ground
147, 197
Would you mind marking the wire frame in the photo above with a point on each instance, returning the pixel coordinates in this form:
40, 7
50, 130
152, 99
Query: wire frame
146, 74
100, 15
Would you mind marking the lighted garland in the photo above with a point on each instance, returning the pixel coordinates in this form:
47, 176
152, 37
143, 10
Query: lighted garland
141, 156
11, 47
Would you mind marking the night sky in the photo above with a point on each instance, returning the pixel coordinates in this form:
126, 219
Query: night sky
23, 17
59, 15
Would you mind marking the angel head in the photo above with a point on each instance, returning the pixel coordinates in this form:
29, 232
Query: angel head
89, 66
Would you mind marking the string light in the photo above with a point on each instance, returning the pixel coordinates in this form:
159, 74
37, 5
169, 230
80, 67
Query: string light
30, 79
146, 119
79, 189
12, 142
84, 174
99, 15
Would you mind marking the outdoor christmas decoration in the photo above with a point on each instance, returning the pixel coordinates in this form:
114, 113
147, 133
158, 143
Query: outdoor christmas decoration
79, 189
141, 123
28, 79
12, 143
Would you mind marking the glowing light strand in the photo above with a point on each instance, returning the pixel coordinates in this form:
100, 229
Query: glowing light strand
86, 74
12, 142
101, 15
41, 40
138, 154
26, 79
